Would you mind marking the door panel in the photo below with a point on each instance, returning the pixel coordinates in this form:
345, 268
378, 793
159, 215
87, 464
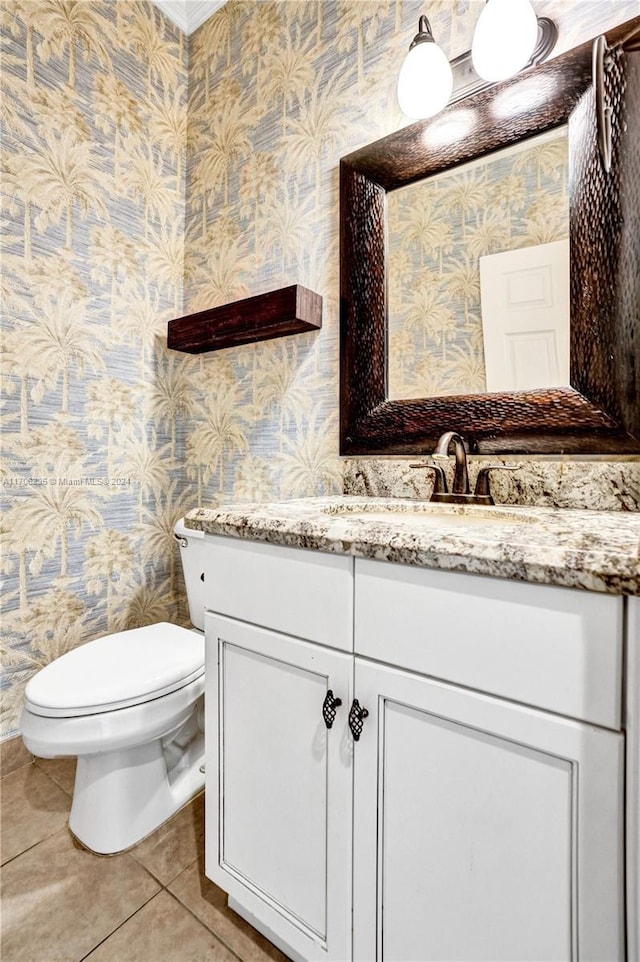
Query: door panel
282, 782
476, 822
265, 711
525, 317
492, 832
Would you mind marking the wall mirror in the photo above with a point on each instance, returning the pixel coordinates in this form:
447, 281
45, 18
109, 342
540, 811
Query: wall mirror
478, 279
415, 358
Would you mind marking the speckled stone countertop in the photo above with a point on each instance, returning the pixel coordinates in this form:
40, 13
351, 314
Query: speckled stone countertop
593, 550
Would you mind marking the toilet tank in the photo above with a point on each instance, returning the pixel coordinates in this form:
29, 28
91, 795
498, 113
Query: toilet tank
192, 557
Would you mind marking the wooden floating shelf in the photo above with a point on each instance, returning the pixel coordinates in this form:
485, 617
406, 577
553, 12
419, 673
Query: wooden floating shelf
290, 310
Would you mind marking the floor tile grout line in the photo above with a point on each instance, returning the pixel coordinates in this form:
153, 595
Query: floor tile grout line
6, 774
139, 860
139, 909
68, 793
212, 931
119, 926
43, 769
29, 848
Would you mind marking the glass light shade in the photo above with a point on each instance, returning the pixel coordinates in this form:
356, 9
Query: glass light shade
505, 38
425, 81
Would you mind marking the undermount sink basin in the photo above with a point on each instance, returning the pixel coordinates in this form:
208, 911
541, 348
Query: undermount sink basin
430, 512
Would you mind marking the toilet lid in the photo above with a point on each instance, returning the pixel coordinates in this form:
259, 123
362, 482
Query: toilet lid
117, 671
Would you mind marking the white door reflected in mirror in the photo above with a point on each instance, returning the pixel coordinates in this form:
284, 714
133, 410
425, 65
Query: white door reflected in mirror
525, 317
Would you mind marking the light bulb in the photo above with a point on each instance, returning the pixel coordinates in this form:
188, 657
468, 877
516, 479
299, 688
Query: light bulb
504, 39
425, 81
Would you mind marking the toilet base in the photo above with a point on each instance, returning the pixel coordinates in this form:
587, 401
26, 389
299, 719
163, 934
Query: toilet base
122, 796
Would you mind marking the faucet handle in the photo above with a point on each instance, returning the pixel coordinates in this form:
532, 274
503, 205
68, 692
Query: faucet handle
440, 479
483, 489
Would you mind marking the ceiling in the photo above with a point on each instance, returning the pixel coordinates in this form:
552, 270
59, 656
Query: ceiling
188, 14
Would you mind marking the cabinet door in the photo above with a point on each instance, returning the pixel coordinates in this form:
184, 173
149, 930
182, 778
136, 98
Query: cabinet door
483, 830
279, 786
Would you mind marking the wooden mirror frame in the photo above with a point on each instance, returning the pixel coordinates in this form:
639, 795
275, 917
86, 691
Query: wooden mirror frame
600, 411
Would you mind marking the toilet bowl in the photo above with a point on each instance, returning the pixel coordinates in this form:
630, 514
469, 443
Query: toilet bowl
130, 707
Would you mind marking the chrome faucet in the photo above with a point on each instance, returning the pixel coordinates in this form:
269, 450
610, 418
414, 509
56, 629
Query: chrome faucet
460, 491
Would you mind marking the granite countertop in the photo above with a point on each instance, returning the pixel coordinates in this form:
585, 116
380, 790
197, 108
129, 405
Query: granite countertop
593, 550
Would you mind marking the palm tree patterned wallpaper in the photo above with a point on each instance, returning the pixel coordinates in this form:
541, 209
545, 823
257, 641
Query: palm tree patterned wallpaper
147, 175
94, 116
438, 230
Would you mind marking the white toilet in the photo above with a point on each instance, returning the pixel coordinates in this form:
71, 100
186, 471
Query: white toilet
130, 706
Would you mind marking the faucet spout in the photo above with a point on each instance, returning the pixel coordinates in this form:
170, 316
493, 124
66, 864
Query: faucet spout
461, 473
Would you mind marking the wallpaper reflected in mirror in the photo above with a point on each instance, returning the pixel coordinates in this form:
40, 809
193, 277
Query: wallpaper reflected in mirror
505, 217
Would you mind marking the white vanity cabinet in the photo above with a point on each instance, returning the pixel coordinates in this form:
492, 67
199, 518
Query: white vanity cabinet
480, 814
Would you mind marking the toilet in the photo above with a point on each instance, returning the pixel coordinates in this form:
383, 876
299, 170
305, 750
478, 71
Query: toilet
131, 707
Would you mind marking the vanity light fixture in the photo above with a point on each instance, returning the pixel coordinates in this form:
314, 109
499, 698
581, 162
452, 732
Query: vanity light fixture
425, 81
504, 39
508, 37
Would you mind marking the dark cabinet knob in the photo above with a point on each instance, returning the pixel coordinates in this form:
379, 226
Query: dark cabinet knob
329, 707
357, 715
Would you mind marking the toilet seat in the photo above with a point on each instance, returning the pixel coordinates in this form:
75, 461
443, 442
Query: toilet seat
117, 671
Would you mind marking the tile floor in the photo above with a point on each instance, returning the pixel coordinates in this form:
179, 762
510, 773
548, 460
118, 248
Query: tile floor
60, 903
